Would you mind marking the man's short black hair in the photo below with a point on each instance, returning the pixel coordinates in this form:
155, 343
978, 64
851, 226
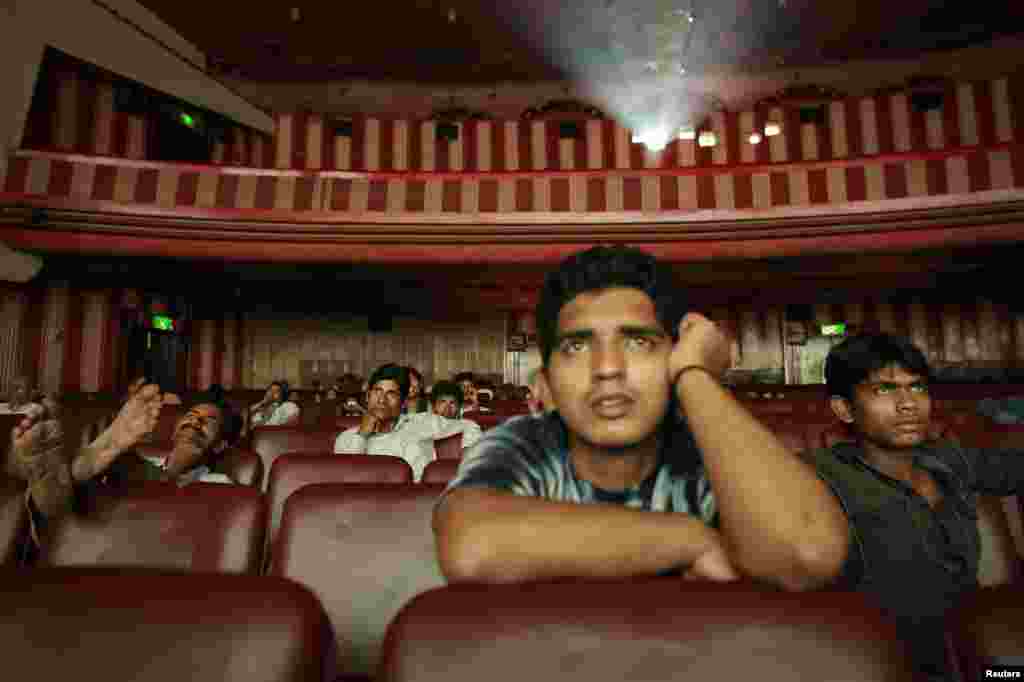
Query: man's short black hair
464, 376
231, 423
443, 388
856, 358
604, 267
395, 373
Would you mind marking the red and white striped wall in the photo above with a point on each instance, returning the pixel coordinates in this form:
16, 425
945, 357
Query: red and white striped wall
977, 113
216, 353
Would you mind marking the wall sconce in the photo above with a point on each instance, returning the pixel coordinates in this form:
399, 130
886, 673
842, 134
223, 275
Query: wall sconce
755, 138
771, 129
687, 133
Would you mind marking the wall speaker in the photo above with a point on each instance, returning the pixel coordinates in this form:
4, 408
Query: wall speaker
447, 131
926, 101
568, 130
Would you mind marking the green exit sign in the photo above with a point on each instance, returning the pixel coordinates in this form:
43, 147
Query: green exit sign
833, 329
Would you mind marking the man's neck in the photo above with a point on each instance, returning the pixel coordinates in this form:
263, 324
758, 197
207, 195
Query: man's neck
898, 464
389, 425
614, 470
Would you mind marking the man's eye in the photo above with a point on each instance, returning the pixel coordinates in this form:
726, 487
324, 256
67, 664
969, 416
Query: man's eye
573, 345
883, 389
643, 342
919, 388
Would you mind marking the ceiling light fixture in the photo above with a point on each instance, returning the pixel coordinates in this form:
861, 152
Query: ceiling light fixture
296, 15
451, 15
771, 129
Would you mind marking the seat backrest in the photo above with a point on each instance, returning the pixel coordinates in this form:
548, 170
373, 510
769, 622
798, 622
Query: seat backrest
345, 422
140, 625
297, 469
986, 629
364, 550
243, 466
201, 527
440, 471
449, 447
13, 518
270, 442
486, 420
646, 629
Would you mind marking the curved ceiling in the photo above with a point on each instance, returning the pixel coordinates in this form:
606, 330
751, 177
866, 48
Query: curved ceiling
464, 41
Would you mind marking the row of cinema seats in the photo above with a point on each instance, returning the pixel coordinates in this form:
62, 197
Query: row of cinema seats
130, 626
363, 546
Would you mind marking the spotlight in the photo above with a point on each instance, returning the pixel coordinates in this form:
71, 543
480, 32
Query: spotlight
655, 139
707, 139
755, 138
771, 129
687, 133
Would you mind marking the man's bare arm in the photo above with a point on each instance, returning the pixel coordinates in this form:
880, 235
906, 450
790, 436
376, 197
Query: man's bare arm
779, 521
488, 535
137, 418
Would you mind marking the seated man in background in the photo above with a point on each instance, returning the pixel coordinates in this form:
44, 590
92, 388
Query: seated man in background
470, 399
417, 401
915, 544
275, 409
36, 452
569, 493
19, 400
446, 399
386, 431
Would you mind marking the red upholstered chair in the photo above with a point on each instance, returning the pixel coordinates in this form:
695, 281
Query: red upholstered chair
364, 550
163, 435
344, 423
270, 442
449, 447
440, 471
988, 628
649, 629
201, 527
13, 519
128, 626
485, 420
297, 469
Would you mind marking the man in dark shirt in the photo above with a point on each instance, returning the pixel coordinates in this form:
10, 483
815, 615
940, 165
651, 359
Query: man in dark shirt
910, 500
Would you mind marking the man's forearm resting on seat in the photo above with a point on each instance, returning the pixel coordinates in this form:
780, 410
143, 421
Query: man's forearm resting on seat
495, 536
779, 521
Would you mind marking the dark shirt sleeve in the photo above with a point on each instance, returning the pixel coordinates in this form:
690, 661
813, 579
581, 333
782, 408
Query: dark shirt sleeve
996, 471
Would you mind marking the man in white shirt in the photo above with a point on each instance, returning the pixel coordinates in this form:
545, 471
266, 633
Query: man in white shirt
275, 409
19, 402
384, 430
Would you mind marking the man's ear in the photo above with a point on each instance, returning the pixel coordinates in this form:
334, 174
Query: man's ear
842, 409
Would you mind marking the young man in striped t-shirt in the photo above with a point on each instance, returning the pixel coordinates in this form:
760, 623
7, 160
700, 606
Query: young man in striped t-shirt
640, 424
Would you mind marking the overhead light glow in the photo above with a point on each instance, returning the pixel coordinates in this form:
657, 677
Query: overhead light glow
707, 139
655, 139
755, 138
687, 133
771, 129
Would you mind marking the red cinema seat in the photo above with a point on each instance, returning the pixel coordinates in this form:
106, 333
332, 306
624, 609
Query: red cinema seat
133, 626
440, 471
270, 442
988, 629
297, 469
364, 550
202, 527
13, 519
449, 447
243, 466
486, 420
646, 629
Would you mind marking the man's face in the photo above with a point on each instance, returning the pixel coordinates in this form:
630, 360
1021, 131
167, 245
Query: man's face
608, 374
276, 394
19, 390
891, 409
468, 392
384, 400
197, 433
414, 387
446, 406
